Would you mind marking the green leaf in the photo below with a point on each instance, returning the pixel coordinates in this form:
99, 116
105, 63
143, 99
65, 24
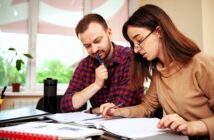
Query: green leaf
19, 63
28, 55
12, 49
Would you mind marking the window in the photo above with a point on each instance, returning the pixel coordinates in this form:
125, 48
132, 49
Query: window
58, 48
13, 33
111, 10
51, 38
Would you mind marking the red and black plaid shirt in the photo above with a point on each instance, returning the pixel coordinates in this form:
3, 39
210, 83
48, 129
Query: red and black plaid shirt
116, 88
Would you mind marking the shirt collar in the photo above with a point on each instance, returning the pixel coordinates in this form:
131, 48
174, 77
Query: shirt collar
171, 69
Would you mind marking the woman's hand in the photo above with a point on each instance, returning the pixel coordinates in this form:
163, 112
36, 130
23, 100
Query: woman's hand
109, 110
178, 124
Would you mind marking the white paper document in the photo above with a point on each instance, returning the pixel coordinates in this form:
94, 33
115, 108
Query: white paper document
94, 123
138, 128
72, 117
132, 128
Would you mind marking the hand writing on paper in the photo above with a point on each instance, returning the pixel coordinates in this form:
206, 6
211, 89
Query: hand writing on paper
109, 110
178, 124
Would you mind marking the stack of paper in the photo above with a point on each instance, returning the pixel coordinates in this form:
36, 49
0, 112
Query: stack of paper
95, 123
133, 128
72, 117
130, 128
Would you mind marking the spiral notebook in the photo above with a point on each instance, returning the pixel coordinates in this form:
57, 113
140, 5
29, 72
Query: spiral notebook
47, 131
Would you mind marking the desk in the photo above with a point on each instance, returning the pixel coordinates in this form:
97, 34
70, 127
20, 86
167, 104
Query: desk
156, 137
137, 128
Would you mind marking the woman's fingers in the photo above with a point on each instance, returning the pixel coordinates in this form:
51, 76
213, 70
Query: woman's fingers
172, 121
105, 109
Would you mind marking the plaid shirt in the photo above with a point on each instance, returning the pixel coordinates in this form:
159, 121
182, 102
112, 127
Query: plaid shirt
116, 88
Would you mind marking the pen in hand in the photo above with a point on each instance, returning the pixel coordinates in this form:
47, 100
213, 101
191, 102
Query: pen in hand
98, 58
118, 105
107, 113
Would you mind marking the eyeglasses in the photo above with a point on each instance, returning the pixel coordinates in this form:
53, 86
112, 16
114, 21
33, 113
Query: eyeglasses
137, 44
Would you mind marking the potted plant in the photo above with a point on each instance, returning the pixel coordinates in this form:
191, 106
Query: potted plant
18, 65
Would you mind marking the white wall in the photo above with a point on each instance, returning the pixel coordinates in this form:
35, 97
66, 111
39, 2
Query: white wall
208, 26
194, 18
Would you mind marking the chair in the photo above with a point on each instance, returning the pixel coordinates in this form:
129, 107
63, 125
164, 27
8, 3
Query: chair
40, 104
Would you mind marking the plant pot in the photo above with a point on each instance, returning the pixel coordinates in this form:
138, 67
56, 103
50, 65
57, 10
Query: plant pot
16, 87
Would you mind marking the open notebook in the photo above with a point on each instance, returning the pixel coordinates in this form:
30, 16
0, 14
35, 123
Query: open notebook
132, 128
47, 131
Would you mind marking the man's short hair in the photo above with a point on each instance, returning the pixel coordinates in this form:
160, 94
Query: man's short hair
87, 19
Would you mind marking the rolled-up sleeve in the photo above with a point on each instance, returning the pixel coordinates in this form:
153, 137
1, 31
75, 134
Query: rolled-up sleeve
75, 85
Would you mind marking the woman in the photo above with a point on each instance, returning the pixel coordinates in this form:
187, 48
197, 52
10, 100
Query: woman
182, 77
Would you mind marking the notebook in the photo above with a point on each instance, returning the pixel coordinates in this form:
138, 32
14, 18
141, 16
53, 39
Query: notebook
47, 131
19, 114
132, 128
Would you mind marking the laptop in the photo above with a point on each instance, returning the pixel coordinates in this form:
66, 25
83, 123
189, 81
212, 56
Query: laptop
19, 115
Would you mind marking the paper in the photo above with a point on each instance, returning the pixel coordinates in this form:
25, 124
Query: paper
138, 128
63, 131
132, 128
95, 123
72, 117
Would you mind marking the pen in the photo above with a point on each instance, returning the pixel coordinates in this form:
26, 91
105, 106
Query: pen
119, 105
2, 93
98, 58
115, 107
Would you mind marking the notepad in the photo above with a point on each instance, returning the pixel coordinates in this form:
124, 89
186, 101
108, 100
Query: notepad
42, 130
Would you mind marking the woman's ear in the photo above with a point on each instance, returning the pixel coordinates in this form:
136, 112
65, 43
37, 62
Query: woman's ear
158, 31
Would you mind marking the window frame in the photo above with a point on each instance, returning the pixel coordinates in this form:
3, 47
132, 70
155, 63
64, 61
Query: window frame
33, 30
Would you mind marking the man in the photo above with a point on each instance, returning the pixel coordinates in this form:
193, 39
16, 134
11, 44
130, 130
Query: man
103, 76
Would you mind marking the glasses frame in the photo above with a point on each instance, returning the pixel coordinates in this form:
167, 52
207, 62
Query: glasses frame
138, 44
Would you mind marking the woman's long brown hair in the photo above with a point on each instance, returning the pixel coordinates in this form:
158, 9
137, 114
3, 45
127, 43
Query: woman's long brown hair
178, 47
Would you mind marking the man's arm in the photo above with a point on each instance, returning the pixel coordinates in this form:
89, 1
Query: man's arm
81, 97
77, 95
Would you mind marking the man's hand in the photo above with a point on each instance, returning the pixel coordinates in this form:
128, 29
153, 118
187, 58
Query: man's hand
101, 74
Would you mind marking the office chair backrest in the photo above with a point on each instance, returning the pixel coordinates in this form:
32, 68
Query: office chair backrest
158, 113
40, 104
